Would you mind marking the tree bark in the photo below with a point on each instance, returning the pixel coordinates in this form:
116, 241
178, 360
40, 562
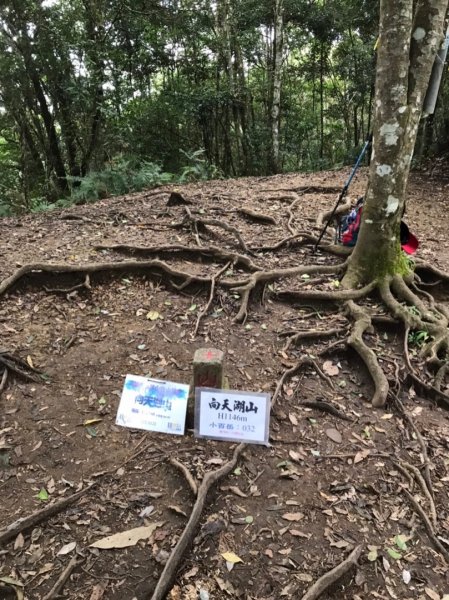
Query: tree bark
407, 47
278, 47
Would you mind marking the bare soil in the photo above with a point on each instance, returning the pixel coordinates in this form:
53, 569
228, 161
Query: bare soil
290, 511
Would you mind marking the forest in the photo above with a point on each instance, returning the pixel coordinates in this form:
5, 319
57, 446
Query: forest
224, 301
102, 97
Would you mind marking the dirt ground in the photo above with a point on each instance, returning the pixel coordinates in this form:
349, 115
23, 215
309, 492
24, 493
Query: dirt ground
290, 511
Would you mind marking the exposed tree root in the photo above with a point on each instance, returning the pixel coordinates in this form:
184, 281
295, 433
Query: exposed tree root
14, 364
428, 526
130, 265
303, 361
327, 408
268, 276
257, 216
291, 215
325, 216
425, 457
422, 266
362, 323
193, 484
169, 250
331, 577
217, 223
215, 278
171, 567
3, 380
310, 334
85, 284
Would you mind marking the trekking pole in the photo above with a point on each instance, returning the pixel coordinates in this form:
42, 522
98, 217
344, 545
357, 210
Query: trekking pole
344, 191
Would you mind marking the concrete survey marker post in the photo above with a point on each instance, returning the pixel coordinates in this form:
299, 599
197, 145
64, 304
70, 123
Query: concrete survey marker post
208, 371
208, 368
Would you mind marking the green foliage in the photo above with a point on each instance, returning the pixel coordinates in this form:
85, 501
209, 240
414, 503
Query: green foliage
418, 338
120, 176
198, 168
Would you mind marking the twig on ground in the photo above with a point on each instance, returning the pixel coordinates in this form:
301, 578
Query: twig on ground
187, 474
62, 580
211, 296
169, 573
332, 576
24, 523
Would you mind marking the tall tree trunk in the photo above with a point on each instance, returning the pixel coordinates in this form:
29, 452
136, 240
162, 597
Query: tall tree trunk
278, 48
321, 100
407, 48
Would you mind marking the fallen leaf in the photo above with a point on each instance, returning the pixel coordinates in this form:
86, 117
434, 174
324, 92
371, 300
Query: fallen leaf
293, 516
17, 585
97, 592
394, 554
361, 456
293, 419
19, 543
297, 533
406, 576
387, 416
191, 573
268, 552
231, 557
43, 495
126, 538
432, 594
177, 510
340, 544
237, 491
330, 369
296, 456
66, 549
372, 555
91, 422
400, 540
334, 435
153, 315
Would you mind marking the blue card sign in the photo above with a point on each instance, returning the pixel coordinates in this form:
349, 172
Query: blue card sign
231, 415
153, 405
